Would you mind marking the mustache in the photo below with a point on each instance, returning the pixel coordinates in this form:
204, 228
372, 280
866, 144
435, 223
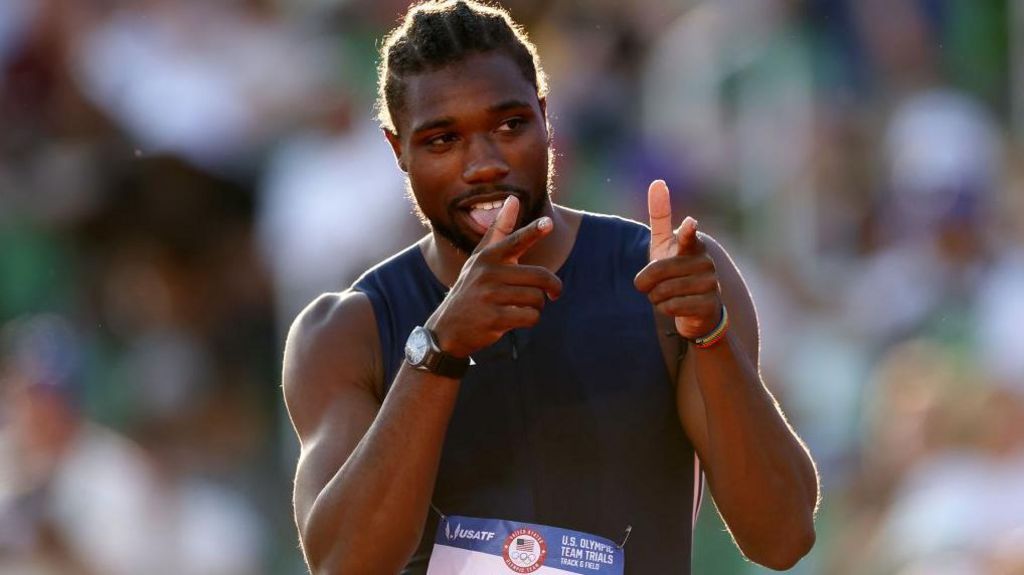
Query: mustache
485, 190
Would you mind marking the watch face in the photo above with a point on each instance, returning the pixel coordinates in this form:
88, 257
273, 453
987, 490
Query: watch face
416, 346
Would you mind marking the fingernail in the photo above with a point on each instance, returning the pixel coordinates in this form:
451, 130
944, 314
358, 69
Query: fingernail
544, 223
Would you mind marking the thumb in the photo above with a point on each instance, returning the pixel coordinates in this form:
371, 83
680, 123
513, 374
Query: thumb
504, 224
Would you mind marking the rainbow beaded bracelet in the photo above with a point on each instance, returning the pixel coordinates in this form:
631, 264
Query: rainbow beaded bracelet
716, 334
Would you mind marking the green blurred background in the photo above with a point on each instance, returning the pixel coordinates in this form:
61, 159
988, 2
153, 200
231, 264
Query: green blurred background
179, 177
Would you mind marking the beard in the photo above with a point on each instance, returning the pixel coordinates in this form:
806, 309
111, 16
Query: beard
531, 204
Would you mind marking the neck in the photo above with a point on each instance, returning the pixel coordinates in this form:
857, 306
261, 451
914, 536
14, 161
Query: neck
446, 261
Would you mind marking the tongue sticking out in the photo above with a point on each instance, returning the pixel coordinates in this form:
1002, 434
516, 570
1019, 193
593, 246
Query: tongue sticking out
484, 217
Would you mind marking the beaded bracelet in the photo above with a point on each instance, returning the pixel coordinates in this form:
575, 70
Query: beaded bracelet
716, 334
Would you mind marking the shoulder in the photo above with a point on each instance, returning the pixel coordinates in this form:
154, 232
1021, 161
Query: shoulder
331, 347
329, 315
333, 327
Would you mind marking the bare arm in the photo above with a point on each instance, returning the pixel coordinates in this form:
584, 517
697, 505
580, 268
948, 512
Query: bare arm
367, 468
761, 476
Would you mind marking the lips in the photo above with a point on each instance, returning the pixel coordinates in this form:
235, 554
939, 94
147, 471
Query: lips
482, 210
484, 213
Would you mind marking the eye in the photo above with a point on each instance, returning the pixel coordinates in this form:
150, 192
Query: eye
511, 124
440, 141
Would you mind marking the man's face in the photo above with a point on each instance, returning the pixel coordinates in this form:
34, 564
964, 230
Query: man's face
472, 134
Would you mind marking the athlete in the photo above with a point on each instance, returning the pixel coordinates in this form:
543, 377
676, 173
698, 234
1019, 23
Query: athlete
526, 361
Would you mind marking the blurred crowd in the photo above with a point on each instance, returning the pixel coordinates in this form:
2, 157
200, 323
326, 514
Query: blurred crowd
179, 177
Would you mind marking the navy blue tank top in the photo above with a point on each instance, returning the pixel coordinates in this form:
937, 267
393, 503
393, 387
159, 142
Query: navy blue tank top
570, 423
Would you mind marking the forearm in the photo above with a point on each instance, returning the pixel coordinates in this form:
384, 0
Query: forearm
762, 478
369, 517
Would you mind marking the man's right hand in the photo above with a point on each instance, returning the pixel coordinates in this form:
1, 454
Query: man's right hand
494, 293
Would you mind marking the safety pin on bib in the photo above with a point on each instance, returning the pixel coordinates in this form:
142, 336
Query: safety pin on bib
629, 529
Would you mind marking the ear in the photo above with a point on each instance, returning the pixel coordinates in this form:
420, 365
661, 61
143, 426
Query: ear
543, 101
396, 147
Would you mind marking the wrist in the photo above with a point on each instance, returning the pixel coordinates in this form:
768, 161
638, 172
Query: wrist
422, 352
445, 340
716, 335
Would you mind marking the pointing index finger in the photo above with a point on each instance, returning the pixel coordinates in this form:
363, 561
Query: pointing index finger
520, 241
659, 207
689, 243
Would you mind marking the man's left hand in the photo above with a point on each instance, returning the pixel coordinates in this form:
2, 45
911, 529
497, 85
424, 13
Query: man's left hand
680, 279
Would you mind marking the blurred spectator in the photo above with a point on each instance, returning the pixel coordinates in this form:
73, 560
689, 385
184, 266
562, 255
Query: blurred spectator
178, 178
332, 203
79, 498
950, 448
208, 81
944, 163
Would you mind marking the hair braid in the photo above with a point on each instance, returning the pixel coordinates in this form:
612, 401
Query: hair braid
434, 34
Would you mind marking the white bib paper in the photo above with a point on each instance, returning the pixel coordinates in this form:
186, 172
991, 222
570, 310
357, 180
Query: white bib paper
473, 546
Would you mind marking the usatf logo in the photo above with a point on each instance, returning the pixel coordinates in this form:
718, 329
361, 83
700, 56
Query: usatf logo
524, 551
460, 533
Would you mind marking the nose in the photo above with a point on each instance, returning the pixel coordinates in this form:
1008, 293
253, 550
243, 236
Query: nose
484, 162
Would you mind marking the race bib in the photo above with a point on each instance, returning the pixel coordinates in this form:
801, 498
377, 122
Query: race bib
472, 546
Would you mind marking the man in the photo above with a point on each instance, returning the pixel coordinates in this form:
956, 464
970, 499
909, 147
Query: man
525, 361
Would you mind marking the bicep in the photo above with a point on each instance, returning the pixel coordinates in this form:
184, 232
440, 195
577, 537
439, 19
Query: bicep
330, 375
743, 327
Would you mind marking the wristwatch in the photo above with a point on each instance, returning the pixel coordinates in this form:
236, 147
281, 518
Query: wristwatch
423, 353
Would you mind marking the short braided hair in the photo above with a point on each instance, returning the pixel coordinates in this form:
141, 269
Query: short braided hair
437, 33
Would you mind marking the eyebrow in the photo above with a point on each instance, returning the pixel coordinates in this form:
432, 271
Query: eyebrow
508, 105
447, 121
434, 124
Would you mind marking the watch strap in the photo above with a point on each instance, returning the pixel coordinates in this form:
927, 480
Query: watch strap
450, 366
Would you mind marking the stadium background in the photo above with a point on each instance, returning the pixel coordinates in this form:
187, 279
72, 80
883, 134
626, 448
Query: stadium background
177, 177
